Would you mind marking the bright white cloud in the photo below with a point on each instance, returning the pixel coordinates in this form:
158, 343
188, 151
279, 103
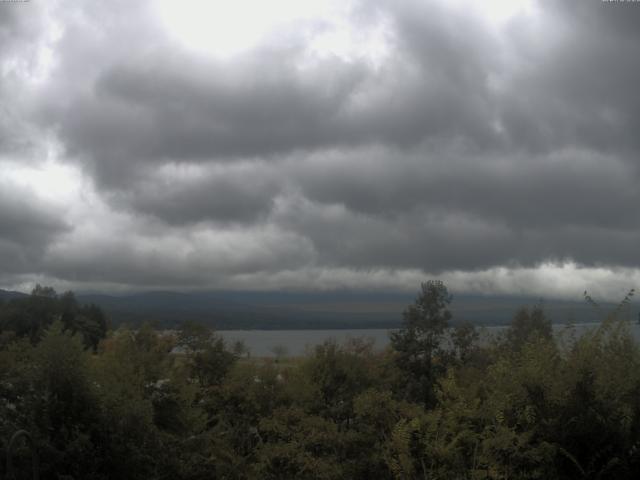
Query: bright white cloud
224, 29
498, 12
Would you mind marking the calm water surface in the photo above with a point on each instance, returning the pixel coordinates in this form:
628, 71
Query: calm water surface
261, 343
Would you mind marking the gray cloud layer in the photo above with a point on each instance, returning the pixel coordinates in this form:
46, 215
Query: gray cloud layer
469, 146
27, 227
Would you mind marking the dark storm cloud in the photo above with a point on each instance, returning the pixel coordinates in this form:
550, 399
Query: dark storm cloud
436, 239
21, 32
235, 194
433, 242
181, 110
449, 80
148, 107
549, 172
470, 145
566, 188
20, 26
435, 85
27, 226
579, 85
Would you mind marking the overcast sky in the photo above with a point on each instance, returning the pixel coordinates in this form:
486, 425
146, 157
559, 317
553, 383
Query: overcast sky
315, 145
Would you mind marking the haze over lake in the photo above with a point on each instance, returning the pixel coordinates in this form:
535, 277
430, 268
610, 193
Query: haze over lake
261, 343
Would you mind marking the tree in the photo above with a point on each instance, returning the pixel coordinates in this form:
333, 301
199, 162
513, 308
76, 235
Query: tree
463, 339
418, 343
208, 358
88, 320
339, 375
527, 325
43, 291
66, 408
298, 445
31, 316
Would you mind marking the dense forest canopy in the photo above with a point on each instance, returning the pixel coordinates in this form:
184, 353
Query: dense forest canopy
143, 404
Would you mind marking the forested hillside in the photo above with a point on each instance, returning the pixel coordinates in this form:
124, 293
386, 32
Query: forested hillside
128, 404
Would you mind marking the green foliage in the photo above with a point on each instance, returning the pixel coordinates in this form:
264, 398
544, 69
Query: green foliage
208, 358
297, 445
29, 317
464, 339
419, 342
438, 404
338, 375
528, 325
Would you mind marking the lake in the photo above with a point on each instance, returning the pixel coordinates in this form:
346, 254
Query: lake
296, 342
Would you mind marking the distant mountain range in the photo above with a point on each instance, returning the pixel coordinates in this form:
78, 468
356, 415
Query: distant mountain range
312, 310
8, 294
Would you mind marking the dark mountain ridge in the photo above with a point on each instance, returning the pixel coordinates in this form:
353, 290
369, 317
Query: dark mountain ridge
228, 310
